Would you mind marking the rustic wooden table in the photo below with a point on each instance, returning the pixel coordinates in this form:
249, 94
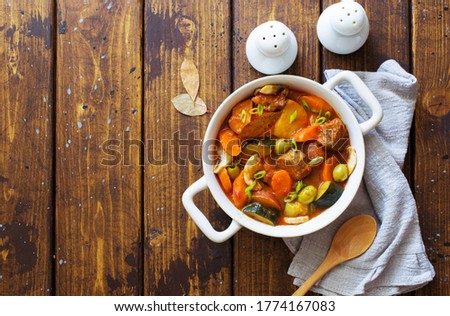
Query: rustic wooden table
77, 73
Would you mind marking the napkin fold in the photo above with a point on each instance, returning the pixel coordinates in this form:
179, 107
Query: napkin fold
396, 262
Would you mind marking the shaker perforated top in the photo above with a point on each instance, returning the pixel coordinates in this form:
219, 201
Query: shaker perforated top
343, 27
271, 48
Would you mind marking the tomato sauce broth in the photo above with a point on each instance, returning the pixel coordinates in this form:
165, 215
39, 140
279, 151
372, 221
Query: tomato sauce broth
284, 156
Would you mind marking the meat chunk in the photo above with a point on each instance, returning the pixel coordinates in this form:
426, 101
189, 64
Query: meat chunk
293, 162
271, 102
333, 134
314, 150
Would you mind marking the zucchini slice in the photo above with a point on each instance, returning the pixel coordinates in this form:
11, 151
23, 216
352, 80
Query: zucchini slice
328, 193
261, 213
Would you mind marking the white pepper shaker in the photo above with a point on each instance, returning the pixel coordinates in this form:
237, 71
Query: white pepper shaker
343, 27
271, 48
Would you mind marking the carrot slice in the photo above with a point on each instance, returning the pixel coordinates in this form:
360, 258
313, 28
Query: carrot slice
316, 104
308, 133
238, 120
281, 183
230, 142
239, 196
225, 181
328, 166
266, 198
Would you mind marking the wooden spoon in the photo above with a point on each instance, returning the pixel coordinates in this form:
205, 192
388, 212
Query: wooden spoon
351, 240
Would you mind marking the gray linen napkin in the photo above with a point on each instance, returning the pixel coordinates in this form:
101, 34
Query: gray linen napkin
396, 262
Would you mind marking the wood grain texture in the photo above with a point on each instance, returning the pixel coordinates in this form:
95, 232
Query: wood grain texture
26, 145
98, 198
179, 259
431, 60
108, 216
261, 263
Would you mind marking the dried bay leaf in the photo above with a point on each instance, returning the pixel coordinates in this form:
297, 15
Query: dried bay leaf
185, 105
189, 104
190, 78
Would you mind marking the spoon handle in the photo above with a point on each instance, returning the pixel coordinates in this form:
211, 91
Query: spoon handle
324, 267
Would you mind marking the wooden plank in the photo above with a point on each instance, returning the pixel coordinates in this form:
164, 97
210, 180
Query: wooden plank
260, 262
26, 146
179, 259
431, 60
98, 119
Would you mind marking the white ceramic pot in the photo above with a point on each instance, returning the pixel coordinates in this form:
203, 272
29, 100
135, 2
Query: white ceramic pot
239, 219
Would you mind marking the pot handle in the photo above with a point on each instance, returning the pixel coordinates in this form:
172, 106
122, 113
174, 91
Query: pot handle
200, 219
365, 94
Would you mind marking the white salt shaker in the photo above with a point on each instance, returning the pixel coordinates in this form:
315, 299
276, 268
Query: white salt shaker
271, 48
343, 27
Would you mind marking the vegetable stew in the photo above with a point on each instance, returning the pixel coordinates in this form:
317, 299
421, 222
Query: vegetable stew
284, 156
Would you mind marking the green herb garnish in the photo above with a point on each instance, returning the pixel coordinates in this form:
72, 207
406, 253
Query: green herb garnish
305, 105
253, 111
249, 189
293, 117
294, 145
259, 175
243, 116
291, 197
260, 109
322, 118
299, 186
